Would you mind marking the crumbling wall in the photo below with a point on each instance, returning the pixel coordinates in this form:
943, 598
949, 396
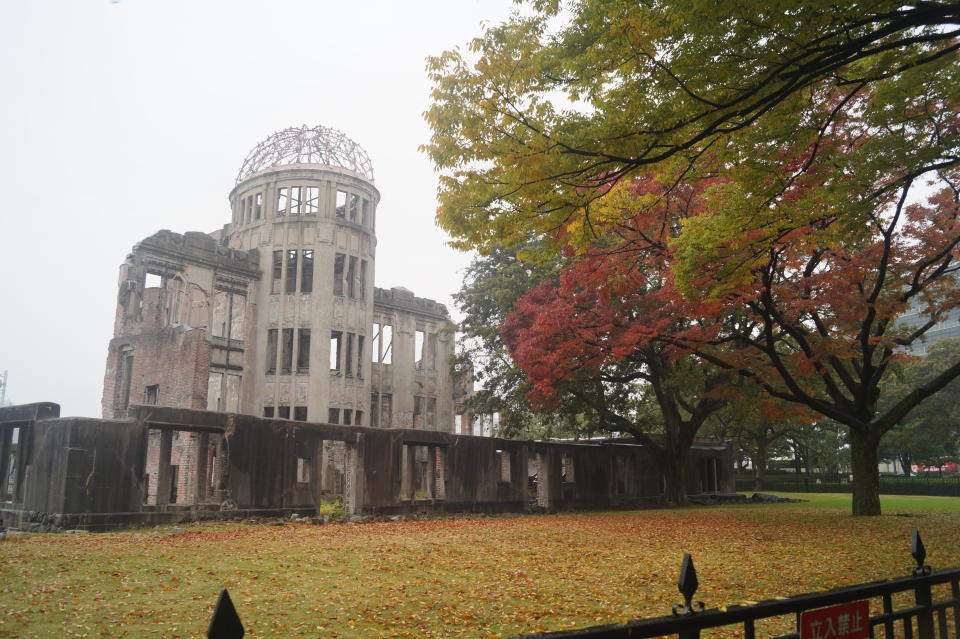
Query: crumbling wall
167, 464
182, 309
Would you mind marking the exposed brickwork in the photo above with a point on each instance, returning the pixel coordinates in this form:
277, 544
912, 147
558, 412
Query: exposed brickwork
175, 358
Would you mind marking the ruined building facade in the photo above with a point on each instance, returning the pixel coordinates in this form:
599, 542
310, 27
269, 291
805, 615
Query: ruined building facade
257, 370
277, 315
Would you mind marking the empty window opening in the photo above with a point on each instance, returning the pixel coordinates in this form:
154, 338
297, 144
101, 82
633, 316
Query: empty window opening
386, 355
184, 467
348, 355
286, 353
418, 410
238, 305
341, 210
268, 411
347, 415
124, 379
306, 272
418, 350
282, 199
300, 413
338, 263
431, 413
294, 200
333, 416
292, 271
354, 206
336, 338
277, 272
364, 211
566, 468
358, 418
271, 351
258, 206
380, 409
386, 410
352, 278
303, 350
363, 279
232, 403
221, 305
153, 281
11, 442
214, 391
303, 470
311, 204
359, 371
151, 394
283, 412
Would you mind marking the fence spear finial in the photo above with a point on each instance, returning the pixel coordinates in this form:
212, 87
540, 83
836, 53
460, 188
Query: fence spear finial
688, 585
919, 553
225, 622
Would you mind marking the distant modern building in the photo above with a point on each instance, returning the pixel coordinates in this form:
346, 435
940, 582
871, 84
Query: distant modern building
949, 327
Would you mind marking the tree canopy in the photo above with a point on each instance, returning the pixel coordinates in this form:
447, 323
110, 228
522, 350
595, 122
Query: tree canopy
540, 114
765, 190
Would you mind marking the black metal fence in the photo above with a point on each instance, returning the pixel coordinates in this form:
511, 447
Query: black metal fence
923, 617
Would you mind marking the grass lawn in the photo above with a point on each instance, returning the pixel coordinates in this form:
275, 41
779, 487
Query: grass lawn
466, 577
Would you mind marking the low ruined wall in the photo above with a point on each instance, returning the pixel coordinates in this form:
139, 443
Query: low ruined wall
176, 464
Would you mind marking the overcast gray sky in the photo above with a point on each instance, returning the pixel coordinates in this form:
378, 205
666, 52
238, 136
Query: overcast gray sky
121, 118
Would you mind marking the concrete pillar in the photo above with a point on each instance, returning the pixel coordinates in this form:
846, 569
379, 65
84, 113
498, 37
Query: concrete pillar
200, 483
408, 480
353, 476
6, 437
432, 464
545, 479
327, 471
163, 467
441, 471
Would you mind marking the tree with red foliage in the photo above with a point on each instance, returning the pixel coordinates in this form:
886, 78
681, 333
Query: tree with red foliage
580, 336
814, 322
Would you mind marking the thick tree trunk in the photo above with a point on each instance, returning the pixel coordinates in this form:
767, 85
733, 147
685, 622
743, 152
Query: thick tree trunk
759, 465
905, 463
866, 473
674, 468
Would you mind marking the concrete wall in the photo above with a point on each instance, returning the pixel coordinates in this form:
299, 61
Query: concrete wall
78, 472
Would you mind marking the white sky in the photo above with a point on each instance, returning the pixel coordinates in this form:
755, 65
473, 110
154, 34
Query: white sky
118, 119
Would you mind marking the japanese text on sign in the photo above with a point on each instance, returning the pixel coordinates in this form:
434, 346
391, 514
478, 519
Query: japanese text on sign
846, 621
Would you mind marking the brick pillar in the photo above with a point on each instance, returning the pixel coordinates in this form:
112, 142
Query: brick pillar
353, 476
163, 467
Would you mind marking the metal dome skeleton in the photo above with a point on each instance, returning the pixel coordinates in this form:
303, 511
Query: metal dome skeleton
307, 145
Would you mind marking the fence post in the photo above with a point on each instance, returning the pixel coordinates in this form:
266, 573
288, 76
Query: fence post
225, 622
687, 585
922, 594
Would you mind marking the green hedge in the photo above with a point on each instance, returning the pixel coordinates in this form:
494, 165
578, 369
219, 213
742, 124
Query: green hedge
889, 485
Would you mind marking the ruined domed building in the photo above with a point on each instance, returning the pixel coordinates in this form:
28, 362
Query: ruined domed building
277, 314
257, 370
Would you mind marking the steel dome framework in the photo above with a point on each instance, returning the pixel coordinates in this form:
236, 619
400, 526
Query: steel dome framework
307, 145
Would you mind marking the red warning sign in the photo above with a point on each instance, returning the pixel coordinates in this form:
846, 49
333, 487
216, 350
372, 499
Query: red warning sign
846, 621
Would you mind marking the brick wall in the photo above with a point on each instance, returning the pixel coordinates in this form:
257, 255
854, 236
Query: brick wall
176, 359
